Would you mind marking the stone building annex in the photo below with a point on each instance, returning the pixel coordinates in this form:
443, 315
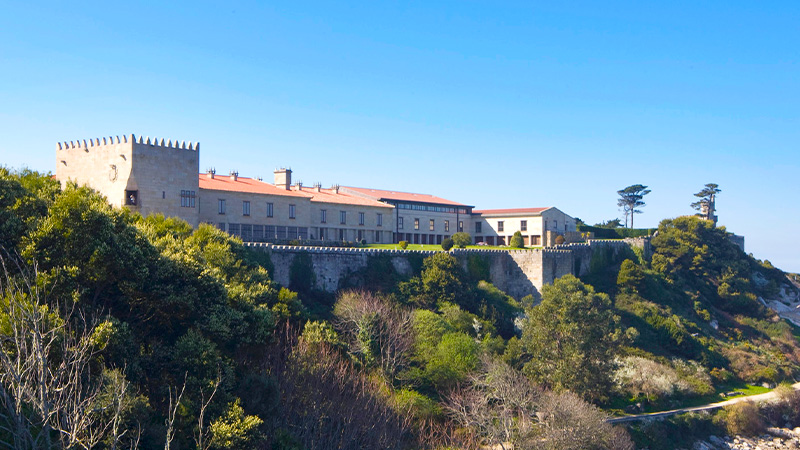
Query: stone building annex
154, 176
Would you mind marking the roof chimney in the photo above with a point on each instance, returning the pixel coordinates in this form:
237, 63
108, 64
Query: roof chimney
318, 187
210, 173
283, 178
299, 185
235, 175
335, 188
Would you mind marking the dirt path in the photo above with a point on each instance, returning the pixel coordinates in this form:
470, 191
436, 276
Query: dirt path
711, 406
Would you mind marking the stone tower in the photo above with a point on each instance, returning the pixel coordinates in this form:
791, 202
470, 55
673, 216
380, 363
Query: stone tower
144, 175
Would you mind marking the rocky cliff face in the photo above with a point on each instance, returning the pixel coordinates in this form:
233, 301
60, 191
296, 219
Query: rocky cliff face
776, 438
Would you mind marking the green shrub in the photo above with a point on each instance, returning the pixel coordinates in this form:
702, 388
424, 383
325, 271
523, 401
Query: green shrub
403, 244
741, 418
447, 244
516, 241
630, 276
462, 239
559, 239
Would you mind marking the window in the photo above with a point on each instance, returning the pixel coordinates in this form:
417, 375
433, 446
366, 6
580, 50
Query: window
523, 225
270, 209
360, 235
245, 208
342, 217
233, 228
500, 225
292, 233
361, 218
380, 219
269, 231
399, 223
221, 206
460, 226
446, 225
247, 232
131, 197
431, 225
292, 210
302, 233
323, 216
187, 199
221, 226
477, 227
377, 236
555, 225
280, 232
416, 224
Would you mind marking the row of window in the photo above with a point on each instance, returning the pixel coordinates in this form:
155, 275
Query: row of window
523, 226
258, 233
222, 209
418, 207
431, 224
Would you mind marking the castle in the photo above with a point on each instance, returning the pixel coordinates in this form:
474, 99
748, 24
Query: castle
156, 176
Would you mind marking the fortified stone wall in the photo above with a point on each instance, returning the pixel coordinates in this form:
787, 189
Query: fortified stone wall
516, 272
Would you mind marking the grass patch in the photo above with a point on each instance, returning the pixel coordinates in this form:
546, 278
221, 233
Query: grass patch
618, 405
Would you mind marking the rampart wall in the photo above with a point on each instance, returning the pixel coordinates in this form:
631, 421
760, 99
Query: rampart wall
516, 272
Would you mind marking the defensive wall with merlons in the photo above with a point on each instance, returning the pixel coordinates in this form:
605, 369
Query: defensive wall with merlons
516, 272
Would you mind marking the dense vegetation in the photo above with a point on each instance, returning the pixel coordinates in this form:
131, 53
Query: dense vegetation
123, 331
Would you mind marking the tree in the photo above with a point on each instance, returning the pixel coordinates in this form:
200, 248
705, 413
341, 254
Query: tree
571, 338
630, 198
612, 223
706, 203
462, 239
447, 244
516, 240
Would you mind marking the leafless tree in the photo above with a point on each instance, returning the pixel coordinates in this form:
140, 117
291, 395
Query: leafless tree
175, 398
202, 438
48, 395
375, 327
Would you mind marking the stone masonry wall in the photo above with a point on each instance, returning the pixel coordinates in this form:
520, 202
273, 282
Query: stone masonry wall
516, 272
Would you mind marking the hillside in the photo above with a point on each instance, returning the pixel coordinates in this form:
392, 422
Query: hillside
119, 330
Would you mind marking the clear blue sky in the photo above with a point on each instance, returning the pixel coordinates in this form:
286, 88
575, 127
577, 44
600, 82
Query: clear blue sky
496, 104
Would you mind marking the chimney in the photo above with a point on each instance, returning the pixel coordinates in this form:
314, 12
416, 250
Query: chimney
318, 187
283, 178
210, 173
335, 188
299, 185
235, 175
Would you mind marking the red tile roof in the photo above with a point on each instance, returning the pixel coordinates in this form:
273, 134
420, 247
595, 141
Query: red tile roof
254, 186
404, 196
511, 211
244, 184
342, 198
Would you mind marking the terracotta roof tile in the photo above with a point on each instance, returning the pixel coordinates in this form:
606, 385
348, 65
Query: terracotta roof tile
244, 184
381, 194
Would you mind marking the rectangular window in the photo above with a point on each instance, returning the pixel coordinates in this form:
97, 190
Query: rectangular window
431, 225
555, 225
399, 223
280, 232
270, 209
269, 232
302, 233
500, 226
247, 232
323, 216
377, 236
380, 219
416, 224
245, 208
258, 233
221, 226
187, 199
221, 206
477, 227
131, 197
361, 218
523, 225
360, 235
292, 232
446, 225
342, 217
233, 228
292, 211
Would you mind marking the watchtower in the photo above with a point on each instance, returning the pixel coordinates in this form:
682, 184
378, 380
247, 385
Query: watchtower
144, 175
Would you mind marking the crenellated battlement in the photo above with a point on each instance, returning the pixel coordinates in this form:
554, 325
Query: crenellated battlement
115, 140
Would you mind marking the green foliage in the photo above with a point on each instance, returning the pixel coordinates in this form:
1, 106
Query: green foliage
451, 360
235, 430
516, 240
302, 277
447, 244
601, 232
462, 239
403, 244
630, 277
419, 406
478, 267
572, 337
741, 418
442, 280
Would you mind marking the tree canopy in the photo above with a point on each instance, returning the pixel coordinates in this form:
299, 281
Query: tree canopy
630, 198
